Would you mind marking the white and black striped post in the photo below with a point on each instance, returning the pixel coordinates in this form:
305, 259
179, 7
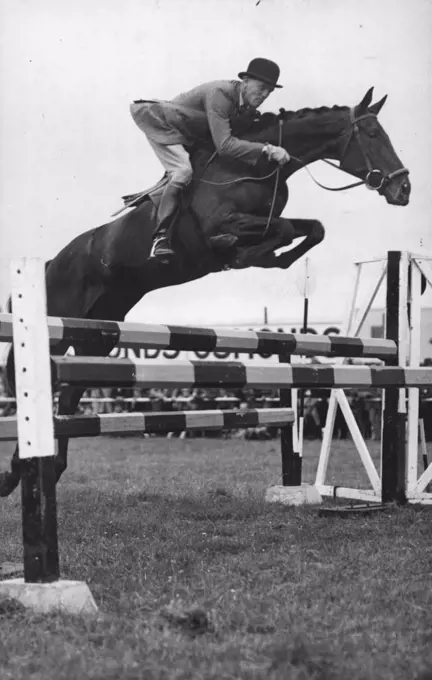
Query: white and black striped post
41, 589
34, 421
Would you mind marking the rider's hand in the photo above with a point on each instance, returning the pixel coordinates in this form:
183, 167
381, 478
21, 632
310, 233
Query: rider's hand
280, 155
277, 154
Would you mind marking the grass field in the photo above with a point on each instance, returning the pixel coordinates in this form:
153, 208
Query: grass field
197, 578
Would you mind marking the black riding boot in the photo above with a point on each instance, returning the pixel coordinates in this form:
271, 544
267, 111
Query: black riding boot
162, 249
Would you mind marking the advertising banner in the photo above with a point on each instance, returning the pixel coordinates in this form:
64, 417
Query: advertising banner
168, 355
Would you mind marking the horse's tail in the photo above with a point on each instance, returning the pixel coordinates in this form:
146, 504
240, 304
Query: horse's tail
9, 376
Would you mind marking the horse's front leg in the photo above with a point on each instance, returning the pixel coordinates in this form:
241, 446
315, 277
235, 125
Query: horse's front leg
256, 237
312, 230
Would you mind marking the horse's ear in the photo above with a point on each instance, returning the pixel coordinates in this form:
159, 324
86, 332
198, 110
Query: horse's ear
363, 106
376, 108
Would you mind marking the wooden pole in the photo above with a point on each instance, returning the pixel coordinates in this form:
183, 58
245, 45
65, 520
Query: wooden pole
35, 421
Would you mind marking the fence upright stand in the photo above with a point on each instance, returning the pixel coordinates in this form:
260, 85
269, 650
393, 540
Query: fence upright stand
41, 589
34, 423
291, 460
291, 491
394, 414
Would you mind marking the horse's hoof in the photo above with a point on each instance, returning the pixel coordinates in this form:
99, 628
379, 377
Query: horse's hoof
58, 470
8, 483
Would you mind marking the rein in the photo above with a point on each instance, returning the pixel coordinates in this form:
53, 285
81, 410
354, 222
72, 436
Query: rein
255, 179
237, 180
278, 169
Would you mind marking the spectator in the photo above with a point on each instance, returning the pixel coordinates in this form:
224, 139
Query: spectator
312, 423
258, 432
360, 413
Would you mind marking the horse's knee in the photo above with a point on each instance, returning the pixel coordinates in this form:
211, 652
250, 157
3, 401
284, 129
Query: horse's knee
285, 232
318, 231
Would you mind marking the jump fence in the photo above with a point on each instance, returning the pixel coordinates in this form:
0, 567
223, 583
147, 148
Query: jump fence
35, 427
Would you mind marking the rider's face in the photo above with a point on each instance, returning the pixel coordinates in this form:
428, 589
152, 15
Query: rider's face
255, 92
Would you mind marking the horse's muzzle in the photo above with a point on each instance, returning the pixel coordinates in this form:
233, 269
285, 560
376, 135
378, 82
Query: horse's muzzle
397, 190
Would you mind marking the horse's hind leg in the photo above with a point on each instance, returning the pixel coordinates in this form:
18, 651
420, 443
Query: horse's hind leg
69, 399
10, 480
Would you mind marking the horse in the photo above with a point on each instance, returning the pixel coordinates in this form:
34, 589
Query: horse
231, 219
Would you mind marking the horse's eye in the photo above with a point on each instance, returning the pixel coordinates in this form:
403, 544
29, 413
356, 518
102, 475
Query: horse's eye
372, 133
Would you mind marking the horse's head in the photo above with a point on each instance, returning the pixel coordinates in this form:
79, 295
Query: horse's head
367, 153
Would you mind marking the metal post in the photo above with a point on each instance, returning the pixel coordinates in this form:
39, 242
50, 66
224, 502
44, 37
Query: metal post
302, 391
291, 460
393, 455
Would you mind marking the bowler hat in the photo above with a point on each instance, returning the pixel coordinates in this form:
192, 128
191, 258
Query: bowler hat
262, 69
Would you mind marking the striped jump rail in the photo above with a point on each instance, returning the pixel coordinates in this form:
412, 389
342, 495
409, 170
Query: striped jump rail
145, 336
104, 372
157, 423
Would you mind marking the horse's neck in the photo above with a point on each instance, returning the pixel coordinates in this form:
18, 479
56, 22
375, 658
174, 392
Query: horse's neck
312, 137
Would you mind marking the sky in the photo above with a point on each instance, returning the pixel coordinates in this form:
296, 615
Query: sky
70, 149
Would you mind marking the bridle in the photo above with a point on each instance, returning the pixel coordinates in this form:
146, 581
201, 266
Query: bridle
375, 179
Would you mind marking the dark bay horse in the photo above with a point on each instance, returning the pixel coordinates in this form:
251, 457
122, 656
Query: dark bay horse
104, 272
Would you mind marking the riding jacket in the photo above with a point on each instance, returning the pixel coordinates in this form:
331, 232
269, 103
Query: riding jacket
193, 116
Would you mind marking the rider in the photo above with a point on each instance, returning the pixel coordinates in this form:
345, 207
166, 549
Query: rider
170, 126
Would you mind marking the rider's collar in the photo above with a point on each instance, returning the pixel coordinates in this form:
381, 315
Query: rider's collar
241, 100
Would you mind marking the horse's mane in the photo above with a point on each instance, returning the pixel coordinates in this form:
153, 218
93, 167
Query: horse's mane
268, 118
247, 128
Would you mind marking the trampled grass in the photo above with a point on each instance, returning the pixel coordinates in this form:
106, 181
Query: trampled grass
197, 578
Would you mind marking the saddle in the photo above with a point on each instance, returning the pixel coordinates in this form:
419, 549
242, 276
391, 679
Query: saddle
153, 194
